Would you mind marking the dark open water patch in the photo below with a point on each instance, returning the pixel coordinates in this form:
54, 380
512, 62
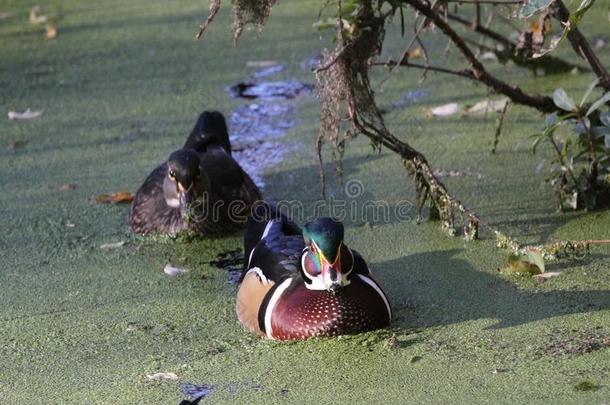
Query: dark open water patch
281, 89
258, 126
232, 261
195, 392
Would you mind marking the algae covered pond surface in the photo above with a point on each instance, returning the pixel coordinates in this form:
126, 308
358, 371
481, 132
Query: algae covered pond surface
121, 86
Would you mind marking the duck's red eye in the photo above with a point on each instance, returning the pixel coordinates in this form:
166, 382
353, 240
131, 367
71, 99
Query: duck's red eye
312, 249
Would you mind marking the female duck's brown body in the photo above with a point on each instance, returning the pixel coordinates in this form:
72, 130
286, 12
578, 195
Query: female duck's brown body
200, 188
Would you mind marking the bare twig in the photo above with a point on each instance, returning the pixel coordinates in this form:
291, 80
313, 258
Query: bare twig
581, 45
499, 128
541, 103
492, 2
463, 73
214, 8
510, 48
334, 60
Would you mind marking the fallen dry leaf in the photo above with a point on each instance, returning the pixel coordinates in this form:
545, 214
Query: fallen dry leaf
545, 276
416, 53
26, 115
17, 144
34, 12
162, 376
36, 16
443, 110
68, 187
115, 198
173, 271
485, 106
4, 15
51, 32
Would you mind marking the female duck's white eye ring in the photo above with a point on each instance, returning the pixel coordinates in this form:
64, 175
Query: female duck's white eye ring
172, 175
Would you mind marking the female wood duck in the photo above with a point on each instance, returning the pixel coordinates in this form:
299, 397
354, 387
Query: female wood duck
200, 187
297, 285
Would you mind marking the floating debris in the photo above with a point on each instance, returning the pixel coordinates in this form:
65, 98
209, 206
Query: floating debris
457, 173
114, 245
489, 55
173, 271
600, 43
162, 376
68, 187
409, 98
25, 115
281, 89
269, 71
541, 278
443, 110
260, 63
485, 106
17, 144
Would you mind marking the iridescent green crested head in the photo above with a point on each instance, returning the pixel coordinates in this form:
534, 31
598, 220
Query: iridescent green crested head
327, 234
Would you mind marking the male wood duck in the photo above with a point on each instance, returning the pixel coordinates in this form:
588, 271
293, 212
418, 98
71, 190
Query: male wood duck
297, 285
200, 187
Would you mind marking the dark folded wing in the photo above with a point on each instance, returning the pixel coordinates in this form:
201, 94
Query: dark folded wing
278, 254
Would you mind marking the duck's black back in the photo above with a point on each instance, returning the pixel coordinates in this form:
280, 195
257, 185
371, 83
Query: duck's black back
210, 130
272, 243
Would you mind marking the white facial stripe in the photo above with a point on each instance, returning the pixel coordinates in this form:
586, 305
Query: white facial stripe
260, 274
373, 284
353, 260
317, 283
172, 202
250, 257
267, 229
272, 302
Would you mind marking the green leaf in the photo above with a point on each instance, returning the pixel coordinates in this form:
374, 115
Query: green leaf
580, 129
600, 132
588, 92
576, 16
329, 23
551, 119
531, 7
607, 141
348, 7
563, 101
536, 258
600, 101
529, 262
605, 118
539, 138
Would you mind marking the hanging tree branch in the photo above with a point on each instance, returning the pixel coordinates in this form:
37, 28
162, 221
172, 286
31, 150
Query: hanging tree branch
541, 103
510, 50
581, 45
